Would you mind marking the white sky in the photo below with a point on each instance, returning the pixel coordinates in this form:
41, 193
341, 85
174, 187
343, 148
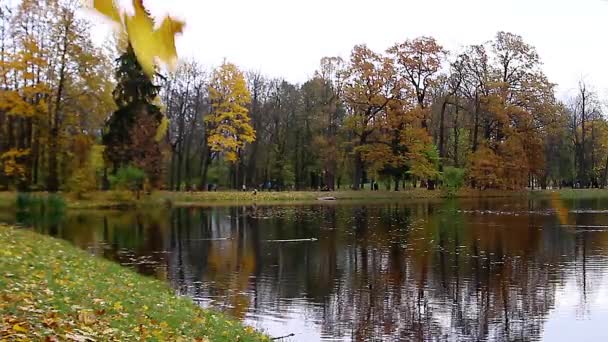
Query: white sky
287, 38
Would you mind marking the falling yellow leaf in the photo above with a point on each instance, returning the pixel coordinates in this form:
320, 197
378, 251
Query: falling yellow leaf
107, 8
140, 28
165, 39
147, 43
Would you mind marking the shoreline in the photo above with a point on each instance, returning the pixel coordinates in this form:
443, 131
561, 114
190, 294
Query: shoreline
49, 291
121, 200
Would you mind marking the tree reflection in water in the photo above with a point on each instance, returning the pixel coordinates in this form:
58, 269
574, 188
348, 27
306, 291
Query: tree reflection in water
475, 270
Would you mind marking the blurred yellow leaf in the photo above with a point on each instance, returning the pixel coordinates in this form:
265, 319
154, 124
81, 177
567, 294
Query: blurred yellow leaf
107, 8
146, 42
165, 37
19, 329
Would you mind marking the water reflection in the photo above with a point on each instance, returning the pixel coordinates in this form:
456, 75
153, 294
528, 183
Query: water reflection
474, 270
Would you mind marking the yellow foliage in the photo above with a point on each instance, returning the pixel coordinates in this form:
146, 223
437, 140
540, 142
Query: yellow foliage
147, 43
228, 126
13, 164
161, 131
107, 8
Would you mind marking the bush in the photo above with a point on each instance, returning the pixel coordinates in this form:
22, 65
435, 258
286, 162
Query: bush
82, 181
128, 178
453, 179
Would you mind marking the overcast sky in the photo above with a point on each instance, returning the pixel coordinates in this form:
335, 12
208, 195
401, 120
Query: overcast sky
287, 38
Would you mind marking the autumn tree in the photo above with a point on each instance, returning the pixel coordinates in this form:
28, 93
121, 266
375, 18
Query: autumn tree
369, 87
54, 87
418, 62
228, 126
514, 105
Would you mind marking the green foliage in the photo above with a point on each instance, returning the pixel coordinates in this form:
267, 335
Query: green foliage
55, 203
49, 207
88, 172
453, 180
128, 178
218, 173
82, 181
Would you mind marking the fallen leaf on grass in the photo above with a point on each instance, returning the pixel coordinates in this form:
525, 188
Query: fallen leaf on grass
19, 329
78, 337
86, 317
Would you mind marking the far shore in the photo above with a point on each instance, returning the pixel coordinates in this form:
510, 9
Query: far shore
168, 199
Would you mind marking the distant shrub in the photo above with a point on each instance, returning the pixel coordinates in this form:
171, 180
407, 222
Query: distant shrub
82, 181
87, 165
453, 180
128, 178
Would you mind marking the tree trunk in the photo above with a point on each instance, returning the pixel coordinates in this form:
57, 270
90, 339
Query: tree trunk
53, 177
358, 179
476, 127
206, 162
178, 173
442, 133
172, 173
456, 137
36, 160
582, 158
605, 173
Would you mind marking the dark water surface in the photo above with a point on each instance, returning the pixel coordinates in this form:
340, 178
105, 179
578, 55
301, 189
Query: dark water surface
507, 270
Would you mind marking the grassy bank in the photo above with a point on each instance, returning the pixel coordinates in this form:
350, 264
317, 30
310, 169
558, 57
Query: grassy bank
50, 290
120, 200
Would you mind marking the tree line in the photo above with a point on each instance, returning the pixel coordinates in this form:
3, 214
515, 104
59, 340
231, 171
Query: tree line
402, 117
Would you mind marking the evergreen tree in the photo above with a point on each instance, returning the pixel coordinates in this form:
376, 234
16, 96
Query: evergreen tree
131, 133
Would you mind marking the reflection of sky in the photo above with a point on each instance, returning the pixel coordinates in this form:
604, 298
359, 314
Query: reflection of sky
319, 290
573, 319
294, 319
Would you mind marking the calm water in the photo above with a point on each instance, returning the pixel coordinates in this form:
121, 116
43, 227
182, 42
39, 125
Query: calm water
515, 270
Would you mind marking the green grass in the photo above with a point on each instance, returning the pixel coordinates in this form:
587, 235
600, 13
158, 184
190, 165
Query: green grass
122, 199
575, 193
50, 290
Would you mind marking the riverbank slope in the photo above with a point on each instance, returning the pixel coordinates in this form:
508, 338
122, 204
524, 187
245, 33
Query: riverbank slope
51, 290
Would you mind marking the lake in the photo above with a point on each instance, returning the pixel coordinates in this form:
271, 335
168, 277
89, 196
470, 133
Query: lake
468, 270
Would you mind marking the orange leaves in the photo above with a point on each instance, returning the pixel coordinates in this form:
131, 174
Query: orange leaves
418, 62
147, 43
388, 108
369, 82
506, 167
484, 169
